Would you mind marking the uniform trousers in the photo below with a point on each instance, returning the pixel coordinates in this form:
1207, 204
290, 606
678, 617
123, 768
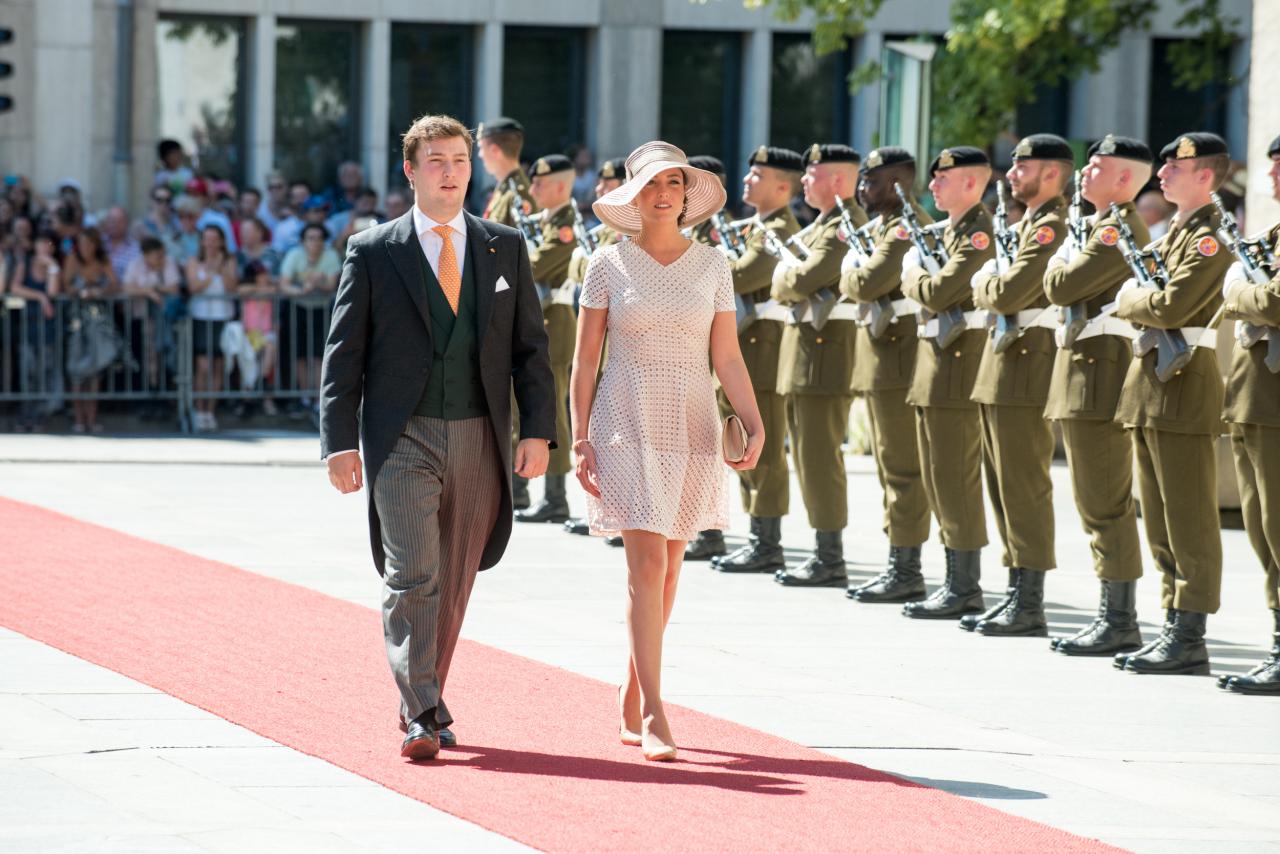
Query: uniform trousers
1017, 444
437, 497
1100, 459
893, 441
1178, 485
766, 488
950, 441
816, 424
1256, 450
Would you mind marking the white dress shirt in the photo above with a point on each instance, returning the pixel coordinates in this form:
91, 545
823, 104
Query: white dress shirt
432, 244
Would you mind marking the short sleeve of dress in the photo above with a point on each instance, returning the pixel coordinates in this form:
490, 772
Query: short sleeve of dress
595, 284
724, 285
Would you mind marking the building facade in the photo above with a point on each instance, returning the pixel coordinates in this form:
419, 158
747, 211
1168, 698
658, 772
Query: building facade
301, 85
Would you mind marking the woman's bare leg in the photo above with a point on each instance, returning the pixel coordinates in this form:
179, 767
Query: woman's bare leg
646, 619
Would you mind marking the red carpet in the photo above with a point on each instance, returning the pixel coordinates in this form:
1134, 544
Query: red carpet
541, 763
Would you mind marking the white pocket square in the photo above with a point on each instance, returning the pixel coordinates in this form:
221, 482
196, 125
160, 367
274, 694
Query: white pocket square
502, 285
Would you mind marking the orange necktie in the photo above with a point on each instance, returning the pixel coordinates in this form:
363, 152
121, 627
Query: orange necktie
450, 278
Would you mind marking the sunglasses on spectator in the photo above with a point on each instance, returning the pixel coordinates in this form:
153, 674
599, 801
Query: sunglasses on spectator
162, 198
275, 186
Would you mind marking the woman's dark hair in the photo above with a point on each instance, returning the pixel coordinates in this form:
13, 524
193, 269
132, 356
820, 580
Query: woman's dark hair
221, 236
150, 244
314, 226
99, 248
52, 237
166, 147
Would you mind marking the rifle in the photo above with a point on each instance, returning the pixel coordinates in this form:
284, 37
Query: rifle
1076, 315
586, 238
793, 252
1172, 352
524, 222
1004, 327
1259, 263
878, 314
728, 234
933, 256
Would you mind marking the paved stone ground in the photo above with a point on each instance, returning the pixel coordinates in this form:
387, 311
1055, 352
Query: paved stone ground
1152, 764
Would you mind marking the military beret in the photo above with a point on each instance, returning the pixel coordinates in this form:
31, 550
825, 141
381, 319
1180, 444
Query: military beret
1121, 146
1191, 145
776, 158
1275, 147
959, 155
613, 170
707, 163
831, 153
889, 155
1043, 146
498, 125
552, 163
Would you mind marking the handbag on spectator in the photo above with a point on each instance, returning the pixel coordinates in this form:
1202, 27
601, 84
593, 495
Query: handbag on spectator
733, 438
94, 344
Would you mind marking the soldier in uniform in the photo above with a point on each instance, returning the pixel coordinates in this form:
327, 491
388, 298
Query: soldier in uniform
1088, 372
1176, 423
552, 191
948, 429
709, 544
609, 176
1253, 390
498, 143
1013, 384
882, 372
815, 366
772, 179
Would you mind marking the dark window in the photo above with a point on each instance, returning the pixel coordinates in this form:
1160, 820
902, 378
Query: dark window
1174, 110
431, 72
809, 95
317, 99
544, 87
201, 91
1050, 112
702, 94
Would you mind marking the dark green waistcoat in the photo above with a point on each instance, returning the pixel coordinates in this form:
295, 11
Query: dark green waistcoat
454, 390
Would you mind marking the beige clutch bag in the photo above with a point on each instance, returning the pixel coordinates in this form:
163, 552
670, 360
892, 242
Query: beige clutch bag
733, 438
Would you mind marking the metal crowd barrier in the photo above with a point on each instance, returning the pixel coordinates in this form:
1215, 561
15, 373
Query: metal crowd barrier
175, 354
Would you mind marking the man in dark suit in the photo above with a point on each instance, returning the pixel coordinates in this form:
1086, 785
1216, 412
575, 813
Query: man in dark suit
436, 321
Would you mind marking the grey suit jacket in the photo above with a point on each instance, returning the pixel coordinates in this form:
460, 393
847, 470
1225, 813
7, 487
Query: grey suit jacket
378, 353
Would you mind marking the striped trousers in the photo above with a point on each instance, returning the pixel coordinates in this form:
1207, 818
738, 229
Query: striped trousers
437, 498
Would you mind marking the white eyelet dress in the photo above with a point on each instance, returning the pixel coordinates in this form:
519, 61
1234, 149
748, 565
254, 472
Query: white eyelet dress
654, 423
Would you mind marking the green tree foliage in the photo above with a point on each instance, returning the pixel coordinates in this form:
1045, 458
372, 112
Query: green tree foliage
996, 54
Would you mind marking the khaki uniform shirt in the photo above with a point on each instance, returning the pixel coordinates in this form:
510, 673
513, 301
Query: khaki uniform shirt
752, 275
1253, 392
498, 208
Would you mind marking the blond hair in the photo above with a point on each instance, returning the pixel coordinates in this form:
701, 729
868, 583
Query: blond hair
430, 128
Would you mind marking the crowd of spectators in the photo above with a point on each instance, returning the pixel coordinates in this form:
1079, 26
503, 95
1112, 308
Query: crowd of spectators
267, 259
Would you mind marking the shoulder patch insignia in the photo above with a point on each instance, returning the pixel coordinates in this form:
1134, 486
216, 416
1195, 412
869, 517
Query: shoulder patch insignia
1109, 236
842, 235
1044, 234
980, 240
565, 234
901, 232
1208, 247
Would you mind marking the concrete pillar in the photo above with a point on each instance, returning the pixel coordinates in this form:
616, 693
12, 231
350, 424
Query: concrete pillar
1264, 114
375, 101
260, 141
62, 112
630, 81
489, 56
757, 82
864, 109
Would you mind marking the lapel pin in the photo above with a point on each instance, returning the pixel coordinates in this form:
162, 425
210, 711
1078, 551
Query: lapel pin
492, 250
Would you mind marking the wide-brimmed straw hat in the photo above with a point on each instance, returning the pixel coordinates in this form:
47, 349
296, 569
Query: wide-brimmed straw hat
703, 192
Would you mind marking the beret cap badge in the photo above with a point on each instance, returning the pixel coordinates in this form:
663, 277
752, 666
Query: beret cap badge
1186, 148
945, 160
815, 153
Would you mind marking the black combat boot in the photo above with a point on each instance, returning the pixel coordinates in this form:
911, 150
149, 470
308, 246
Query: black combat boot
1180, 650
519, 493
960, 593
1116, 628
1092, 626
901, 580
1121, 659
614, 540
1265, 678
824, 568
708, 544
969, 622
1023, 617
577, 525
762, 553
553, 507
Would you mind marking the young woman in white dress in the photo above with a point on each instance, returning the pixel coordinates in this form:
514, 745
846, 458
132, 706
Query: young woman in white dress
647, 441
